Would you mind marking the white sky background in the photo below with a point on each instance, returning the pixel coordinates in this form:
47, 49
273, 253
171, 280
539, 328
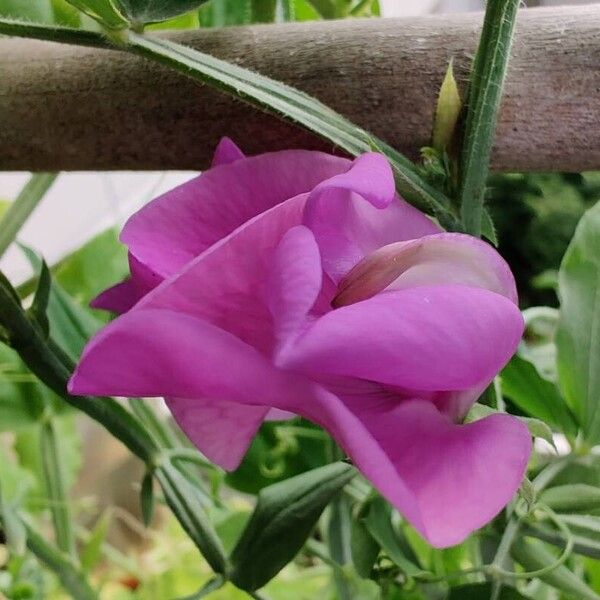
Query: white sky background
80, 205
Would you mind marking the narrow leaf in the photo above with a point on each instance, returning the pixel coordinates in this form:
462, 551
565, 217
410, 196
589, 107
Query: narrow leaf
578, 497
184, 500
536, 396
483, 591
578, 334
20, 210
446, 112
92, 550
284, 516
533, 555
153, 11
379, 524
147, 499
103, 11
39, 306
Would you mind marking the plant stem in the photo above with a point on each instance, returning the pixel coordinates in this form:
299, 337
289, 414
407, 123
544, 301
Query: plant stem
54, 480
25, 203
338, 538
485, 92
502, 553
53, 367
69, 574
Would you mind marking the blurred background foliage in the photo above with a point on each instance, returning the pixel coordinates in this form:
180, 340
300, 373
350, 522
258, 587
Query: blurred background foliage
535, 215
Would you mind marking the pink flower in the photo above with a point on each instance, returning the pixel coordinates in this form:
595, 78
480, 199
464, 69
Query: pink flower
298, 282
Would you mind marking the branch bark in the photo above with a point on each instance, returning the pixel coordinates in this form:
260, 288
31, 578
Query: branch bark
74, 108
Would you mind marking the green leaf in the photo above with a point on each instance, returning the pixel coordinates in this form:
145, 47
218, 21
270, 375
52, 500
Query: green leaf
364, 547
284, 516
29, 450
533, 555
584, 529
537, 428
537, 397
578, 334
264, 11
379, 524
147, 498
103, 11
39, 306
65, 13
578, 497
538, 344
186, 503
153, 11
485, 92
95, 266
20, 210
446, 112
70, 325
225, 12
91, 553
27, 10
483, 591
16, 536
53, 461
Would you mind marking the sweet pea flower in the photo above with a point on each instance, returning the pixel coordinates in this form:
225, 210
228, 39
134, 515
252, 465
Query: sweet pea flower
299, 283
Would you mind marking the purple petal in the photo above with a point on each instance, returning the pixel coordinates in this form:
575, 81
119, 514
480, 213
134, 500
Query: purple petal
226, 284
355, 213
175, 228
460, 476
204, 371
431, 260
446, 337
222, 430
227, 152
118, 298
294, 282
123, 296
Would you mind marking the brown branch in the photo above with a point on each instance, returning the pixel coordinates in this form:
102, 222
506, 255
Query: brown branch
69, 108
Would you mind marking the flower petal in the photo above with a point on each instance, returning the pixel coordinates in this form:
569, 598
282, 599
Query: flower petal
176, 227
460, 476
294, 282
227, 152
431, 260
226, 284
218, 387
123, 296
447, 337
222, 430
355, 213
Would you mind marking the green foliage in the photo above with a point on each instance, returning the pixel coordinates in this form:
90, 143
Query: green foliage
578, 336
483, 591
279, 451
536, 396
151, 11
284, 516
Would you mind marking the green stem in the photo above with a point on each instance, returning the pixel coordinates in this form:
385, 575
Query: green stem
54, 480
69, 574
338, 538
502, 553
53, 367
25, 203
163, 435
184, 500
485, 93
